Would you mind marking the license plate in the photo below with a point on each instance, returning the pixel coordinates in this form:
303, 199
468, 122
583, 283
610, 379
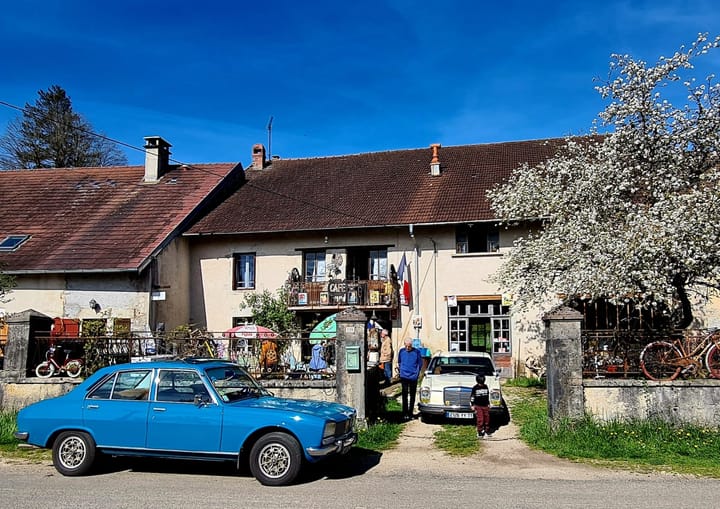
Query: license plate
459, 415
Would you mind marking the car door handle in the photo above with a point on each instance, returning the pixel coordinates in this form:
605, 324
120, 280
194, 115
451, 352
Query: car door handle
93, 407
158, 409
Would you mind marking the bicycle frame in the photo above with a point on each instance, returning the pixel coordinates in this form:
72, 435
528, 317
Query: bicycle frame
667, 359
695, 355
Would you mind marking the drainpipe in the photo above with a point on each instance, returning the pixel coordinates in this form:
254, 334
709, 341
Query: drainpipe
416, 296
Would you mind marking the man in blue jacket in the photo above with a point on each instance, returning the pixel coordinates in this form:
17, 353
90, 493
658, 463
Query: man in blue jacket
410, 365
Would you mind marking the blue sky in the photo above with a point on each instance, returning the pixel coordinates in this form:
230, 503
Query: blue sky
338, 77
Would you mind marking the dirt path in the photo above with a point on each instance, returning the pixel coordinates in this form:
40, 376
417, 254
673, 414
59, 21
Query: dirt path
503, 455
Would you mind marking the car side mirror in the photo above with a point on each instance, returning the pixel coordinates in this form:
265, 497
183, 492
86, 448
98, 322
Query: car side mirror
497, 373
201, 400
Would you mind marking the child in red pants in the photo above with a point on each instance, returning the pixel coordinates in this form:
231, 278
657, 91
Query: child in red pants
480, 401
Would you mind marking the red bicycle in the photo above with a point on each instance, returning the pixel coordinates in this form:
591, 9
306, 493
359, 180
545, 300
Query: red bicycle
46, 369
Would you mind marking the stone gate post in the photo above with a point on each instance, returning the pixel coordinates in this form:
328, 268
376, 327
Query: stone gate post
21, 327
563, 349
351, 351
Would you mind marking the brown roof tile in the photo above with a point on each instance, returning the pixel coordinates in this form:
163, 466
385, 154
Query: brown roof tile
100, 219
373, 189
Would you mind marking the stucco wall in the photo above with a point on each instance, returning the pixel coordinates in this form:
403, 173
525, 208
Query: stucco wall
118, 296
437, 271
170, 298
683, 401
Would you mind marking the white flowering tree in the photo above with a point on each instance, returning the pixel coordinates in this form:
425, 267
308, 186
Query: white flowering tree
635, 212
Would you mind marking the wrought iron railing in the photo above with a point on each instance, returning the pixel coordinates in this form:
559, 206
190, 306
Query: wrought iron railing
611, 353
291, 358
339, 293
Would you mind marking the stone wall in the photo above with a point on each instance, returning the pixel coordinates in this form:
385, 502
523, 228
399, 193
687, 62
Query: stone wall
16, 395
694, 401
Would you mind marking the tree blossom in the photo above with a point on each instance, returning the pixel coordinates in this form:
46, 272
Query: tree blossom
633, 211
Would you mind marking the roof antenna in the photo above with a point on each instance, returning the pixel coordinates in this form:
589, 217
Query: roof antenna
269, 128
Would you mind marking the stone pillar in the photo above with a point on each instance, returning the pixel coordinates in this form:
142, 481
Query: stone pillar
21, 327
564, 364
351, 329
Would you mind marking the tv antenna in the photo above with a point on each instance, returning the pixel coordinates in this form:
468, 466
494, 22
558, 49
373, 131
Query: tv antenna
269, 129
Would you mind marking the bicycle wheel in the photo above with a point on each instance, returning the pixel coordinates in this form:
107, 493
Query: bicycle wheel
712, 361
660, 361
45, 369
73, 368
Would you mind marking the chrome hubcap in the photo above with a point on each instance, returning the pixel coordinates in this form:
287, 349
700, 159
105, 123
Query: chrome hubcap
72, 452
274, 460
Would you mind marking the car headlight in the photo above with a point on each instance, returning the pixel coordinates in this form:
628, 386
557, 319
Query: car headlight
329, 432
425, 394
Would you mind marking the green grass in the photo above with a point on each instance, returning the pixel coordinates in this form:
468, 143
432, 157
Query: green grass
8, 427
637, 445
383, 434
524, 382
457, 440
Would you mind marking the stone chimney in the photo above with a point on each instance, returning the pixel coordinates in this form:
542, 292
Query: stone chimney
157, 158
435, 161
258, 156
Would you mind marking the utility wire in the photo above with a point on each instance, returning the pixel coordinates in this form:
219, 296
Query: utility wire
25, 111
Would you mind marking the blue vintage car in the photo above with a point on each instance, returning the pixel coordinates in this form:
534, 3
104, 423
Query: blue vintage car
190, 409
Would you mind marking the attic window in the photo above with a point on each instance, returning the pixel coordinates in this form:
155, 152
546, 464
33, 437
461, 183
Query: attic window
12, 242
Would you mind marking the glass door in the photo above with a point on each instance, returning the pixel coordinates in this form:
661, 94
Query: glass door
458, 335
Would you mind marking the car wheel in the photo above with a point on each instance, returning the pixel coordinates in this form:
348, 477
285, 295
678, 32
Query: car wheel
73, 453
275, 459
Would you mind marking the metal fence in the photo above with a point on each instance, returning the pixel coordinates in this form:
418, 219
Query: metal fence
616, 353
278, 358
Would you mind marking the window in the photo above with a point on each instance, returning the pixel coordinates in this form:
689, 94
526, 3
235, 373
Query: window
314, 265
479, 326
501, 335
125, 385
477, 238
243, 271
180, 386
12, 242
378, 264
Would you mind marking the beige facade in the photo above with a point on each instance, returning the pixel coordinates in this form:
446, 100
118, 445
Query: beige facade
114, 296
440, 279
160, 294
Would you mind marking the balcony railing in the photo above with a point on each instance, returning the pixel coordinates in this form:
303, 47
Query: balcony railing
342, 293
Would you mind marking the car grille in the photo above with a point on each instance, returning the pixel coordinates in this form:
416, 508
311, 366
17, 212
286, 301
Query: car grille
457, 396
344, 427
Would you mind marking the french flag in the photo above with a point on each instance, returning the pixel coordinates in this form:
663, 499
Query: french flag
404, 279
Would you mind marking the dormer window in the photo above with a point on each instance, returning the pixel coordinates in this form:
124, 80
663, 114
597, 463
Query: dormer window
12, 242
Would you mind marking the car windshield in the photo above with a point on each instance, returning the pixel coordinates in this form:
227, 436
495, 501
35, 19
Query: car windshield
232, 383
462, 365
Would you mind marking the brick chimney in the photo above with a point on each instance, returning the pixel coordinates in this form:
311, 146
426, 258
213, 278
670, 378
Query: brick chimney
435, 161
157, 158
258, 156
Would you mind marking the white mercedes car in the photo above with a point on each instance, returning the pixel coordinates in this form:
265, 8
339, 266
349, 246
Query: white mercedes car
445, 389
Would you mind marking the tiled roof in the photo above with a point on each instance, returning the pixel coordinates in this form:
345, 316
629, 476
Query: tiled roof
100, 219
373, 189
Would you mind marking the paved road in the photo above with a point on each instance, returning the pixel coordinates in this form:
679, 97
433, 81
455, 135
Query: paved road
362, 483
505, 474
